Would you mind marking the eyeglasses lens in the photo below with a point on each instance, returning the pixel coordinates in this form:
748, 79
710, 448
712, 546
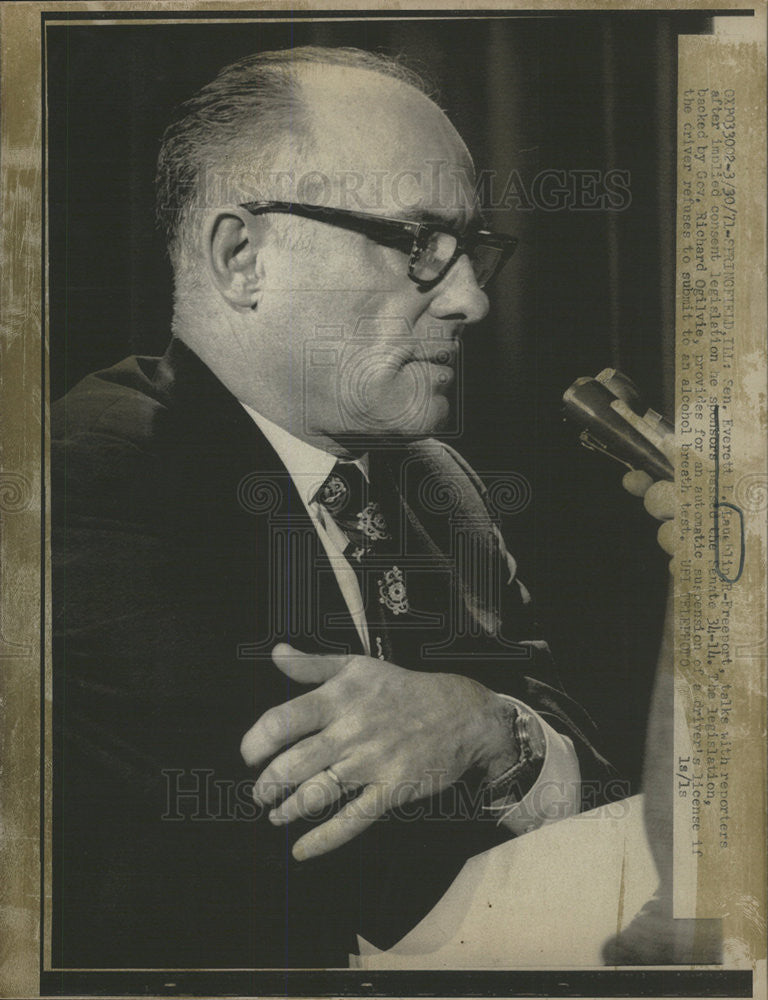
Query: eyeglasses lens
485, 261
430, 260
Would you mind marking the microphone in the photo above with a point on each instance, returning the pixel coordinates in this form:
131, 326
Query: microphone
615, 421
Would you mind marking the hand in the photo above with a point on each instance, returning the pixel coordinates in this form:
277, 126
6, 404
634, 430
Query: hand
394, 735
658, 497
659, 501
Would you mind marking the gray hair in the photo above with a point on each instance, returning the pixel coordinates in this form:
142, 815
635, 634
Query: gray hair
235, 128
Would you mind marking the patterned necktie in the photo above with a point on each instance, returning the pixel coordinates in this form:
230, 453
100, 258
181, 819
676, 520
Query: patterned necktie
345, 495
430, 531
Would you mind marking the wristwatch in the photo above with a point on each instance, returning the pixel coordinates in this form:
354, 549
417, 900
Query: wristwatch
530, 744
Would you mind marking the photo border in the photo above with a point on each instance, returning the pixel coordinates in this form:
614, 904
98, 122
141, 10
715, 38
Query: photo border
26, 683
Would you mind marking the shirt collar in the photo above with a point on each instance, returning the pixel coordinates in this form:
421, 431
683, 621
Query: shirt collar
308, 466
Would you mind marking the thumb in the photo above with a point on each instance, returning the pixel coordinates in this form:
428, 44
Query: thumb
307, 668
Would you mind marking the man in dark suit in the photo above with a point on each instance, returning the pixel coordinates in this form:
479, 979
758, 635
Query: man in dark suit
216, 609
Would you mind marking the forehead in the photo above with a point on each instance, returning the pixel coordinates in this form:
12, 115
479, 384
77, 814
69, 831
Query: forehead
387, 148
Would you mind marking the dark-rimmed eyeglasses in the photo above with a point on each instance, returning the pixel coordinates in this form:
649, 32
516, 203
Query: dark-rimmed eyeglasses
433, 247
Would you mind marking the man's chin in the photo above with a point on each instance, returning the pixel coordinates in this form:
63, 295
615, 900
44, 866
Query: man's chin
378, 428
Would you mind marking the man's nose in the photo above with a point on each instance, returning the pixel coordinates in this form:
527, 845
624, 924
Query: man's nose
458, 295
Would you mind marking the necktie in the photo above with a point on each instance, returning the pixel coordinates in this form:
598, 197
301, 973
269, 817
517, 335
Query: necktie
346, 497
436, 588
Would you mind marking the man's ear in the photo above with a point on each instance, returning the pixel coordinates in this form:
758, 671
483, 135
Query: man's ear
235, 262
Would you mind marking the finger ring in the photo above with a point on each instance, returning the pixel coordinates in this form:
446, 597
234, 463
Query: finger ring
334, 777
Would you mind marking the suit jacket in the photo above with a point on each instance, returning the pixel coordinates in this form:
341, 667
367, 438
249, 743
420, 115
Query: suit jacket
182, 553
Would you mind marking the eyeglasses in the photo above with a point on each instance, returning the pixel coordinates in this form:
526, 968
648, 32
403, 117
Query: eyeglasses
433, 247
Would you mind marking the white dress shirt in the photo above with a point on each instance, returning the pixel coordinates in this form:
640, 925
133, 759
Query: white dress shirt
557, 790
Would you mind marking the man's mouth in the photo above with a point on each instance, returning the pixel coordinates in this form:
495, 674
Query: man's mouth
443, 355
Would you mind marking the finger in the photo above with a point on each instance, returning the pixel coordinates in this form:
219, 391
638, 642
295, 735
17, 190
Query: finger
348, 822
307, 668
659, 501
667, 537
310, 800
285, 724
636, 482
293, 767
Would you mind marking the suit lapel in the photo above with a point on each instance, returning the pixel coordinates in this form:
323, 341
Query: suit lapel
234, 488
450, 553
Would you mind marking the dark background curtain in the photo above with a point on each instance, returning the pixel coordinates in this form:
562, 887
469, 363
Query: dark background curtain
586, 289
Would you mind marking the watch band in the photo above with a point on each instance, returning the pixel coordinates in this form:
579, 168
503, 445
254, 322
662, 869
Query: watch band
530, 744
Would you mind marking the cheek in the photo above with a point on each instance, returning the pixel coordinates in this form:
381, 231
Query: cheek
393, 396
382, 273
349, 288
358, 263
